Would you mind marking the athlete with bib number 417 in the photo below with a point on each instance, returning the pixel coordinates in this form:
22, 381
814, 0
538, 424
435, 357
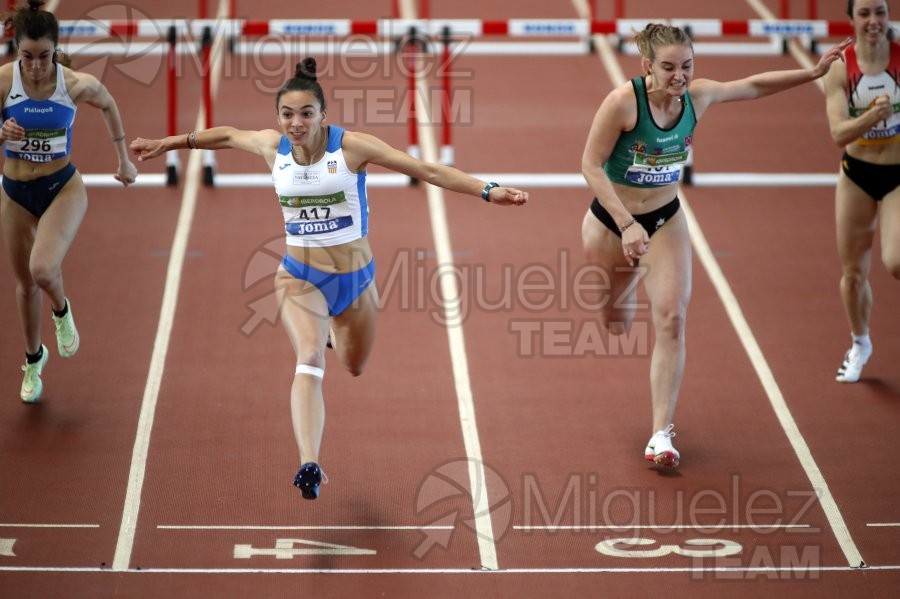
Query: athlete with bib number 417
319, 172
638, 143
44, 200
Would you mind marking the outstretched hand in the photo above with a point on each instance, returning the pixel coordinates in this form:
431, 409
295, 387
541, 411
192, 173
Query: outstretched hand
144, 149
507, 196
833, 54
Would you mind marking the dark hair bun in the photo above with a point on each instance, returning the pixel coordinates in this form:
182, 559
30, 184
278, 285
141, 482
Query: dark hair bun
35, 5
306, 69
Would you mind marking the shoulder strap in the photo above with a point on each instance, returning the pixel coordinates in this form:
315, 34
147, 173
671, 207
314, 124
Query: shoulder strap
335, 136
16, 87
284, 145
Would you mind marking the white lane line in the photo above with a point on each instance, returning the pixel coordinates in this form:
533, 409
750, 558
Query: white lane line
311, 527
773, 392
450, 295
881, 524
14, 525
661, 527
754, 352
217, 527
131, 509
801, 571
582, 9
157, 363
832, 512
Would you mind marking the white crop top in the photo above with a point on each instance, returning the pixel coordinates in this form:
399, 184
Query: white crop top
323, 204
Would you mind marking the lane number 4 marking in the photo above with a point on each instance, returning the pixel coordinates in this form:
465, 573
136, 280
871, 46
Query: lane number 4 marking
288, 548
6, 547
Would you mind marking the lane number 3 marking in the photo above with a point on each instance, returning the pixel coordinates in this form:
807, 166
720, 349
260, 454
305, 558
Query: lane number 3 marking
689, 548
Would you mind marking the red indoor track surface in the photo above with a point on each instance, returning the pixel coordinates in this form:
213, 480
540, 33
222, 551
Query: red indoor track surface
787, 482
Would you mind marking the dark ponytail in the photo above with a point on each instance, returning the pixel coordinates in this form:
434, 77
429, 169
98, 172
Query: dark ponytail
304, 80
61, 58
32, 22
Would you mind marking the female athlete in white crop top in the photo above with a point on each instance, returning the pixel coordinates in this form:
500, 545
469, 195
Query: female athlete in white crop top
319, 177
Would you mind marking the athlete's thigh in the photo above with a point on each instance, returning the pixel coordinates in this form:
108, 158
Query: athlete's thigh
57, 227
855, 214
610, 281
18, 235
304, 314
354, 330
668, 266
890, 229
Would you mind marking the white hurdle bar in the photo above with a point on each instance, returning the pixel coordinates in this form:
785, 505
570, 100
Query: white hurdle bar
572, 180
526, 180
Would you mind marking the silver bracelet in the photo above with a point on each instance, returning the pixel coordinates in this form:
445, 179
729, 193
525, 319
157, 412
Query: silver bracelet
626, 225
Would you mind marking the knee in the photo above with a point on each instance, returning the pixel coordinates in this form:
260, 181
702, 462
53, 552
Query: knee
853, 277
616, 322
670, 323
892, 264
894, 269
616, 327
27, 289
44, 275
313, 359
356, 369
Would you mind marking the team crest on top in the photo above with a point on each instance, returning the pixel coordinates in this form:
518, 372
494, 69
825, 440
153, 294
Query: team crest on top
309, 177
332, 167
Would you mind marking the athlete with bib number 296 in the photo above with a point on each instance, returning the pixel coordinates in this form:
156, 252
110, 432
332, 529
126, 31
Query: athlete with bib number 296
319, 172
44, 200
638, 143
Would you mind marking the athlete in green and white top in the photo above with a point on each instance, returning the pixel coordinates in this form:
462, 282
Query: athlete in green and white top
650, 155
632, 161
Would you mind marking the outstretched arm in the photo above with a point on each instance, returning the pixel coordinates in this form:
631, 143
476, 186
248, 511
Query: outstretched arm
706, 92
362, 149
263, 143
89, 89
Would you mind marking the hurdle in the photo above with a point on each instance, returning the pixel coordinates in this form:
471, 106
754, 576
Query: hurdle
442, 39
142, 38
421, 36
